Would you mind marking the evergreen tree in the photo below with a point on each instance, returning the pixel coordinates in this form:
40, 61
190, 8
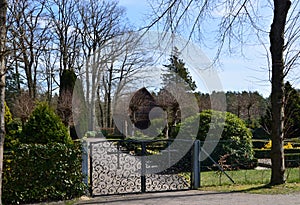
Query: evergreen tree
291, 113
12, 86
44, 126
176, 72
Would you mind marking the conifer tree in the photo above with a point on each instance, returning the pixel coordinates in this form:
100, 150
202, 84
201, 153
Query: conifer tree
176, 72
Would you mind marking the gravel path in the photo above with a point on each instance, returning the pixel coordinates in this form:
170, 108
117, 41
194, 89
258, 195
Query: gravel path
194, 198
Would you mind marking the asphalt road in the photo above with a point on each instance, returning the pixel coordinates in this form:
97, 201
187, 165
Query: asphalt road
194, 197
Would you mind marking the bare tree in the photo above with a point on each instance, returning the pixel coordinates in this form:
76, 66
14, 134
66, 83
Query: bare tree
23, 106
248, 106
49, 71
234, 103
238, 19
64, 20
96, 34
203, 101
120, 72
64, 23
3, 12
27, 37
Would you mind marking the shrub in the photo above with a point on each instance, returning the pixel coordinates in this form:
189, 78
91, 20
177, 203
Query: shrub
8, 115
235, 146
44, 126
12, 129
36, 173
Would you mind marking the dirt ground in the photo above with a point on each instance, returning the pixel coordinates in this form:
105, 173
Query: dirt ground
194, 197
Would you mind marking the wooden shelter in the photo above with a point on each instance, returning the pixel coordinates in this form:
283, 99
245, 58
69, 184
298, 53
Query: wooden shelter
140, 105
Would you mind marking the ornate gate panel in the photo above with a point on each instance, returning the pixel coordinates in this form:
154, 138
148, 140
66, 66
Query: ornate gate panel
113, 171
119, 167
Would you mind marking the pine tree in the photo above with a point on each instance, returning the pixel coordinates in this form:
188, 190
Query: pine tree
291, 113
176, 72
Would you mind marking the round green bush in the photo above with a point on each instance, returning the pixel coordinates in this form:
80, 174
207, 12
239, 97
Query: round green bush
235, 145
44, 126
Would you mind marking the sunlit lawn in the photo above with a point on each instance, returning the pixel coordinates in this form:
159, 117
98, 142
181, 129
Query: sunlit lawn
288, 188
217, 178
250, 181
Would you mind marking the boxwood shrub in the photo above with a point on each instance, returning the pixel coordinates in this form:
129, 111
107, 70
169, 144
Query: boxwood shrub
37, 172
44, 126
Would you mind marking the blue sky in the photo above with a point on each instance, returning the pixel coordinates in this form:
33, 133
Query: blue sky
236, 73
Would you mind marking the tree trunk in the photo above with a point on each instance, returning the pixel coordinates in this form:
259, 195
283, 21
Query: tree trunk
109, 90
281, 8
3, 10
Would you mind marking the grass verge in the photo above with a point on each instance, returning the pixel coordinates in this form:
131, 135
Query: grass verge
251, 177
288, 188
250, 181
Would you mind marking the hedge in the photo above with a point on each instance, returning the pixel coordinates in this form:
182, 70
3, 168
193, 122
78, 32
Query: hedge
39, 173
291, 156
259, 144
292, 160
266, 153
262, 153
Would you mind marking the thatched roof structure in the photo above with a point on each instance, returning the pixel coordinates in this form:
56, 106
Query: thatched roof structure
140, 105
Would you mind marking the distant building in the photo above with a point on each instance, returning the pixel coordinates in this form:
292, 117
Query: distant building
139, 108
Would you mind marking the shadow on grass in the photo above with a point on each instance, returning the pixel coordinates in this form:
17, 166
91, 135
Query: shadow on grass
252, 189
286, 188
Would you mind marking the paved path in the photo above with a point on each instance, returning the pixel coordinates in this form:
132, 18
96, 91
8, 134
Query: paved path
194, 198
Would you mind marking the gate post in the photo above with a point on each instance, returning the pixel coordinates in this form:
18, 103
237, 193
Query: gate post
196, 165
143, 168
85, 163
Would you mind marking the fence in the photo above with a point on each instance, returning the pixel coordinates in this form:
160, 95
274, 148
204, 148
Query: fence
109, 160
128, 166
258, 171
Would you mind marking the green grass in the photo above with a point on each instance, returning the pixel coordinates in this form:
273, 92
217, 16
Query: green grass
287, 188
217, 178
250, 181
244, 177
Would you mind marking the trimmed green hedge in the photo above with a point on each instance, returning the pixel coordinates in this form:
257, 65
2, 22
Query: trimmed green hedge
265, 153
291, 156
36, 173
292, 160
259, 144
262, 153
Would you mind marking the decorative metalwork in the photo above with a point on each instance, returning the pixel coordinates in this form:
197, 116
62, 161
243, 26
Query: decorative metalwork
113, 171
117, 167
174, 182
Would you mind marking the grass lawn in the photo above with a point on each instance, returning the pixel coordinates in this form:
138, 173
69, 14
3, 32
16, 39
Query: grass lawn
250, 181
288, 188
217, 178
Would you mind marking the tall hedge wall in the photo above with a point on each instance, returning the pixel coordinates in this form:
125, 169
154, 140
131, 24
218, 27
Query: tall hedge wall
36, 173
